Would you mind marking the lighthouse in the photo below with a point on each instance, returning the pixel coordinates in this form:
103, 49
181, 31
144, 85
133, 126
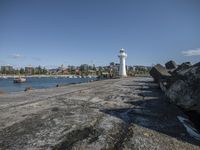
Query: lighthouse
122, 69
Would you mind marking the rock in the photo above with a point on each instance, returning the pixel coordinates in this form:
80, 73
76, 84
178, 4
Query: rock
159, 73
28, 89
179, 72
2, 92
55, 109
171, 65
182, 85
197, 64
183, 66
185, 91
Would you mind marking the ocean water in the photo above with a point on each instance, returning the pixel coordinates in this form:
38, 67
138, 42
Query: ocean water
7, 85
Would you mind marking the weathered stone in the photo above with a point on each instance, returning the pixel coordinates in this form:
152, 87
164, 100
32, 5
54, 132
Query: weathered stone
178, 73
182, 67
28, 89
197, 64
182, 87
171, 64
2, 92
185, 91
159, 73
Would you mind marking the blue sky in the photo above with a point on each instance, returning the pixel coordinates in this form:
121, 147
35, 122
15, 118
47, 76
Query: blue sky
55, 32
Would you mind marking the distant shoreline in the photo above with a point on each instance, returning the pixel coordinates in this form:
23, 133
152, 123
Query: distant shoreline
41, 82
29, 76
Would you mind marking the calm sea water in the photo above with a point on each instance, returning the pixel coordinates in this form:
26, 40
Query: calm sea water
7, 85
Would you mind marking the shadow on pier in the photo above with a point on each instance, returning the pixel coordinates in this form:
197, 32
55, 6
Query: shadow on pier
154, 112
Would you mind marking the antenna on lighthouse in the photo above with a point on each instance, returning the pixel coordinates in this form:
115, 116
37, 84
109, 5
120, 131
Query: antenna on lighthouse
122, 69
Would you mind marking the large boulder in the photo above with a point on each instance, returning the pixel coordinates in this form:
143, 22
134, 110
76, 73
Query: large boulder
182, 67
179, 73
185, 91
159, 73
197, 64
171, 65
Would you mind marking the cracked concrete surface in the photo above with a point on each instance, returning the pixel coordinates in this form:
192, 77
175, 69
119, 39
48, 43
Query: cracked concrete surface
129, 113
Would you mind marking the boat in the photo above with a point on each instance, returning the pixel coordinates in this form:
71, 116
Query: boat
74, 76
79, 76
4, 77
19, 80
70, 76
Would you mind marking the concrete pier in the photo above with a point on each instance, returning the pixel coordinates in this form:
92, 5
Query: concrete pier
127, 113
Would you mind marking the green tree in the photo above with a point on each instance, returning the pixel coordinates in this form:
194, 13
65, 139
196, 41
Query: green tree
44, 71
17, 71
3, 71
22, 71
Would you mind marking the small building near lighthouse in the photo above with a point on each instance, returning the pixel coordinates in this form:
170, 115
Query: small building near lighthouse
122, 68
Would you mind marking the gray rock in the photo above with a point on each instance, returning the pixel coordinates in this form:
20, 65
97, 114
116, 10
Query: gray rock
183, 66
28, 89
185, 91
197, 64
179, 72
171, 64
159, 73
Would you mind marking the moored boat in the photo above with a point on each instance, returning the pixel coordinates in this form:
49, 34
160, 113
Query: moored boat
4, 77
70, 76
19, 80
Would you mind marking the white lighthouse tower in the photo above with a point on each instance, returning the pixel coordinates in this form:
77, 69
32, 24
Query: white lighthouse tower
122, 69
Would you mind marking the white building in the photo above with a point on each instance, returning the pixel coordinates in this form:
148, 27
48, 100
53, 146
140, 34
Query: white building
6, 68
29, 69
122, 69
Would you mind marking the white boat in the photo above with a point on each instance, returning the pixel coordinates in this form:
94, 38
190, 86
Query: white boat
4, 77
19, 80
74, 76
70, 76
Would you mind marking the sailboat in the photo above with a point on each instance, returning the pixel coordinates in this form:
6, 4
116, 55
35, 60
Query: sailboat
4, 77
19, 80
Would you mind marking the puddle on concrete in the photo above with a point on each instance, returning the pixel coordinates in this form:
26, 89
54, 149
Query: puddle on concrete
189, 128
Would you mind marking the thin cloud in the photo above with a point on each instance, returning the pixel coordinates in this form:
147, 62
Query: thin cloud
192, 52
36, 58
17, 56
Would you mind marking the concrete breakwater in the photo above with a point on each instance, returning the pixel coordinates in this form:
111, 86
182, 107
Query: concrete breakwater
128, 113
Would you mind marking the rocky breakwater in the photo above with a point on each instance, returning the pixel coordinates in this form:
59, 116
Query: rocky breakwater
181, 83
